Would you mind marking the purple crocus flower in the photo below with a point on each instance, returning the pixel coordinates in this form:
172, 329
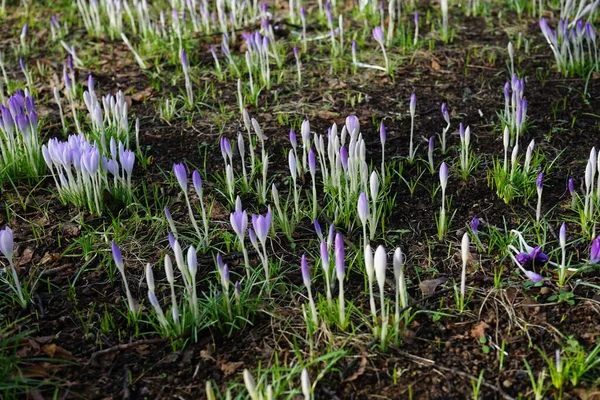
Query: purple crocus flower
184, 60
181, 175
363, 208
293, 140
352, 124
443, 175
261, 225
117, 256
534, 276
378, 35
340, 268
197, 182
127, 161
239, 222
539, 183
431, 143
474, 224
225, 148
171, 240
344, 158
305, 271
312, 162
535, 256
413, 104
318, 229
595, 251
571, 186
7, 243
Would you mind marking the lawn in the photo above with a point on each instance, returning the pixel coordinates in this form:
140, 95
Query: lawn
299, 200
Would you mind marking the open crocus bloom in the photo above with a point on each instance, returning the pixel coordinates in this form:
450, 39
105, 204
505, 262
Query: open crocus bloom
527, 255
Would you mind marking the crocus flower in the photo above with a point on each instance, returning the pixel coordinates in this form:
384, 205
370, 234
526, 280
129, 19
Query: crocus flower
595, 251
413, 105
443, 176
378, 35
474, 225
382, 134
117, 256
535, 256
7, 243
305, 271
340, 268
293, 140
181, 175
318, 229
197, 182
239, 222
363, 208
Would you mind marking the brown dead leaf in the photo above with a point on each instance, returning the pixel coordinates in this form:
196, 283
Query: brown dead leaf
230, 368
29, 348
71, 229
428, 286
327, 115
25, 258
54, 351
142, 95
50, 258
435, 65
478, 331
361, 368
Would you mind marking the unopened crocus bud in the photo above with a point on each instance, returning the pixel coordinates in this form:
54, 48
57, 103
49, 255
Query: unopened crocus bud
197, 182
225, 148
293, 165
7, 244
293, 140
312, 162
225, 276
192, 260
528, 155
305, 383
382, 134
340, 268
305, 271
318, 229
171, 239
562, 235
378, 35
352, 124
369, 266
380, 264
169, 269
511, 50
374, 185
413, 105
149, 277
571, 186
474, 225
506, 138
181, 175
184, 61
443, 175
431, 144
464, 248
416, 18
117, 256
363, 208
445, 113
507, 91
539, 182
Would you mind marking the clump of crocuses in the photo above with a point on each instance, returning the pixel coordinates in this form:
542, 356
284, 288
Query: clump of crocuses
82, 174
20, 154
